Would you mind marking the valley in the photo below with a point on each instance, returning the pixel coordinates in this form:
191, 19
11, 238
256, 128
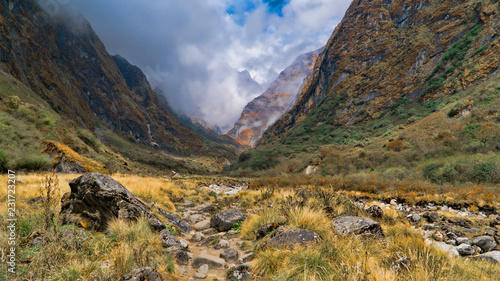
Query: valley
375, 157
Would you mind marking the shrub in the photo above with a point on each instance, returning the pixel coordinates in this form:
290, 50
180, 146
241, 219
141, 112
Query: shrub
4, 161
33, 163
14, 102
431, 171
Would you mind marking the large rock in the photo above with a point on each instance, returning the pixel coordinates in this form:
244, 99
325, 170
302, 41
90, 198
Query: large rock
168, 239
486, 243
230, 255
212, 261
182, 224
465, 250
351, 225
225, 220
141, 274
375, 212
450, 249
296, 236
492, 257
96, 199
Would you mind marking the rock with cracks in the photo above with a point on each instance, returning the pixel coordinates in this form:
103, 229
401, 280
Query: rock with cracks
351, 225
97, 199
296, 236
225, 220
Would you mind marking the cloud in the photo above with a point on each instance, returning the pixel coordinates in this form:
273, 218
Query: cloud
194, 50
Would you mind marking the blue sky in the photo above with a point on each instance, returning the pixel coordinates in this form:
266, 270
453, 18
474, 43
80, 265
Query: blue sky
193, 50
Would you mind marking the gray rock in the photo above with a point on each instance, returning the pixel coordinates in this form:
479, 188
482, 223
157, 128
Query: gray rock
492, 257
470, 230
246, 258
197, 237
230, 255
145, 273
182, 224
222, 244
451, 236
241, 272
198, 275
431, 217
212, 261
375, 212
463, 241
486, 243
203, 269
465, 250
351, 225
202, 225
415, 218
96, 199
168, 239
452, 250
182, 257
225, 220
183, 244
208, 209
296, 236
490, 231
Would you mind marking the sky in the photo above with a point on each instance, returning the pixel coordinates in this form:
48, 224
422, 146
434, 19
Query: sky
192, 51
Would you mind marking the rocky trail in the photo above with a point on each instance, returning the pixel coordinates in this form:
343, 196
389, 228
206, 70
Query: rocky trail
205, 242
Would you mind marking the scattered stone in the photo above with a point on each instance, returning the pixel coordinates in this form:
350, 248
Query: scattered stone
230, 255
350, 225
222, 244
182, 257
225, 220
202, 225
465, 250
197, 237
246, 258
96, 199
212, 261
183, 244
431, 217
401, 263
209, 231
451, 236
168, 239
490, 231
297, 236
197, 217
208, 209
451, 242
375, 212
415, 218
486, 243
232, 232
146, 273
265, 229
183, 225
463, 241
239, 273
429, 227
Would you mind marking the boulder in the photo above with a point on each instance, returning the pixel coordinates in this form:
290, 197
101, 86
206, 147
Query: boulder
225, 220
222, 244
197, 237
465, 250
96, 199
492, 257
375, 212
168, 239
431, 217
145, 273
246, 258
212, 261
452, 250
463, 241
202, 225
296, 236
230, 255
182, 257
486, 243
351, 225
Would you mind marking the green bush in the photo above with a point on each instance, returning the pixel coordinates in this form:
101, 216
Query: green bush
483, 172
431, 172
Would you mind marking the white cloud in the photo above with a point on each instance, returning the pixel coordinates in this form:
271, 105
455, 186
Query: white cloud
197, 49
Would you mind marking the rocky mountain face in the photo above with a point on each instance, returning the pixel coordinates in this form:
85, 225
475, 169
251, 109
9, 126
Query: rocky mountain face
64, 61
264, 110
387, 50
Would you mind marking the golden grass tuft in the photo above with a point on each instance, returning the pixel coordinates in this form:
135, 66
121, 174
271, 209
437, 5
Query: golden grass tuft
309, 218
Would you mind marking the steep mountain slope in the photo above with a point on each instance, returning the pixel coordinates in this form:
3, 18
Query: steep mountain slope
384, 51
64, 61
264, 110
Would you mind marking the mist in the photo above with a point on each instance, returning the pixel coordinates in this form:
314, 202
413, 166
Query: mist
195, 51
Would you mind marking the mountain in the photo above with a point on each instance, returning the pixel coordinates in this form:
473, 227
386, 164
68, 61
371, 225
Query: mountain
386, 51
264, 110
65, 62
402, 87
